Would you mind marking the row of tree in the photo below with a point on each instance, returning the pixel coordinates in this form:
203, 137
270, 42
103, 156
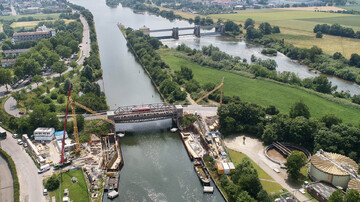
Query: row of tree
144, 46
336, 30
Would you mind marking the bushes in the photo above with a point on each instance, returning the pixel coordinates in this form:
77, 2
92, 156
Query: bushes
52, 183
269, 51
12, 166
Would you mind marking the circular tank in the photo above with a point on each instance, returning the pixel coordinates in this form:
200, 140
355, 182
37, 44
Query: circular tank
331, 167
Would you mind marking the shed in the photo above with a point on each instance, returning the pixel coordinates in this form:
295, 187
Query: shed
219, 168
231, 166
226, 168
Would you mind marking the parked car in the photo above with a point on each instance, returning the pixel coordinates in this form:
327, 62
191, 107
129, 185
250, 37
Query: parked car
21, 112
14, 136
20, 142
25, 144
45, 192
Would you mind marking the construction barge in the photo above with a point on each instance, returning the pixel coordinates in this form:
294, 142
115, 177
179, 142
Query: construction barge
204, 177
112, 162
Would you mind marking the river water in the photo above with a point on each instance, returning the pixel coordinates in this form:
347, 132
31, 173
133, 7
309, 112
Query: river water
157, 167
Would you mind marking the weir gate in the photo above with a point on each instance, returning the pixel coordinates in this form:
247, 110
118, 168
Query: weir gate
145, 112
175, 31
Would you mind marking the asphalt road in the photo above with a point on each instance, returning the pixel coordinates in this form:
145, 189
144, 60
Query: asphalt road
10, 107
6, 182
31, 187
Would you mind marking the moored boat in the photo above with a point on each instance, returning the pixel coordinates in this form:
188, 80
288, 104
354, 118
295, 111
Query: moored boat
113, 194
204, 177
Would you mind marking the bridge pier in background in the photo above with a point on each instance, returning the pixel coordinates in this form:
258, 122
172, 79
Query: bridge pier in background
197, 31
221, 29
175, 33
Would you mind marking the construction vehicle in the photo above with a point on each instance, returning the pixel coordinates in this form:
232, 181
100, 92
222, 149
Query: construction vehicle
64, 162
206, 95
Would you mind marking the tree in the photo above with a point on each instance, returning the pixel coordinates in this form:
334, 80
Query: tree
42, 117
322, 84
186, 73
88, 73
352, 196
330, 119
249, 22
271, 110
294, 162
265, 28
59, 67
263, 196
31, 67
276, 30
252, 33
243, 196
73, 64
355, 60
52, 57
299, 109
37, 79
319, 35
5, 77
52, 183
336, 196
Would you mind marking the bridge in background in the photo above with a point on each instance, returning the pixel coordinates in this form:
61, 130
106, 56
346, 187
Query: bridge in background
175, 31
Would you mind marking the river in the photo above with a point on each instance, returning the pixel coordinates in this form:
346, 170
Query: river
236, 47
157, 167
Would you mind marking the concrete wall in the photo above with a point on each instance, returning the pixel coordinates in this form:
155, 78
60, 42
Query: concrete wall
337, 180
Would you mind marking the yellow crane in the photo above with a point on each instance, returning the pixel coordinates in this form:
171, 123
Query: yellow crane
206, 95
76, 132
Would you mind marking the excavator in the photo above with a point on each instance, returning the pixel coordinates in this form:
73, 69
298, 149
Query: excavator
209, 93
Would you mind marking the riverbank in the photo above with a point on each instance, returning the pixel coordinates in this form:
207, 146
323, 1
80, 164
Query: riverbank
266, 92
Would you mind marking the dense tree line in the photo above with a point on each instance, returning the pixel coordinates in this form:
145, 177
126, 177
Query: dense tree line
336, 30
296, 127
144, 46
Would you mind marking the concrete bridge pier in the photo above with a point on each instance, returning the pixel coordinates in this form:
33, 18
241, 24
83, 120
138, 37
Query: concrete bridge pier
221, 29
197, 31
175, 33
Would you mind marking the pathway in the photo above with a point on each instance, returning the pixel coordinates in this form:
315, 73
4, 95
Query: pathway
254, 149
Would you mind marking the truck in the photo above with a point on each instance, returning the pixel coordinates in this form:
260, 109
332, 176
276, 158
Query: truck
44, 168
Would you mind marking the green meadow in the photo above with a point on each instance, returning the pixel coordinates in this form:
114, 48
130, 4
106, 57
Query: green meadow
265, 92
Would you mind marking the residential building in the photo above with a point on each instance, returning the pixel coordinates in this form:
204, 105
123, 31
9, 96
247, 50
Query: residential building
14, 52
8, 62
41, 32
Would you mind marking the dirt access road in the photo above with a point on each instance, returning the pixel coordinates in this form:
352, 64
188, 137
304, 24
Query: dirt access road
254, 149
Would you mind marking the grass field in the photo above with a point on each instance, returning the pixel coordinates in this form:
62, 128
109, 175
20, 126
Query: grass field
77, 191
264, 92
38, 16
270, 187
31, 24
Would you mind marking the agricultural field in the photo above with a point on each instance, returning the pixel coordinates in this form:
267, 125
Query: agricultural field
265, 92
38, 16
32, 24
297, 27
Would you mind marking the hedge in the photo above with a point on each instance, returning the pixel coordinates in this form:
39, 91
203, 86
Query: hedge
16, 184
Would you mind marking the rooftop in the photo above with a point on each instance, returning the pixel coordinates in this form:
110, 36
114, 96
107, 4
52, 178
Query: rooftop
335, 164
16, 50
323, 189
354, 184
42, 130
